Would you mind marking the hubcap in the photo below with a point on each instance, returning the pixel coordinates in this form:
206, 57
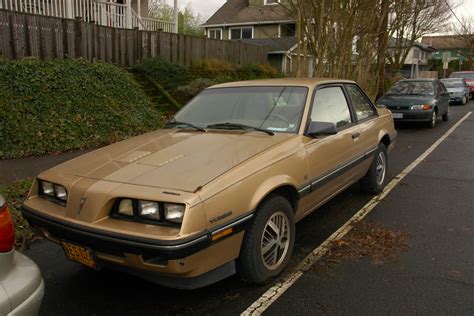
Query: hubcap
433, 119
380, 168
275, 240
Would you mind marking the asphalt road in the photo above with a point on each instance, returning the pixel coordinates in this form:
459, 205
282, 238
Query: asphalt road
434, 204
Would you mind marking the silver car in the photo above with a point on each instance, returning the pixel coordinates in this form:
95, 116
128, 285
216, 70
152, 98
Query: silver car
458, 90
21, 284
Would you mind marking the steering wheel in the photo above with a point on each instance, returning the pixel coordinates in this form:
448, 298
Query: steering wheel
280, 118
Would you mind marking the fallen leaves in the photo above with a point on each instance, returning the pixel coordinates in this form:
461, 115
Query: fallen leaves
366, 240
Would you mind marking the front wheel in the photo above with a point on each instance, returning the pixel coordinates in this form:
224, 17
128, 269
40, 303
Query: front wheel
464, 100
268, 242
374, 181
434, 119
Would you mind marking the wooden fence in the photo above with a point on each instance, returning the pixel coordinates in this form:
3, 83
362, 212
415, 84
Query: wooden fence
23, 35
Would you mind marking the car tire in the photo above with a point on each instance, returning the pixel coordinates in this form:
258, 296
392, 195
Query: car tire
446, 115
464, 100
374, 181
255, 265
433, 120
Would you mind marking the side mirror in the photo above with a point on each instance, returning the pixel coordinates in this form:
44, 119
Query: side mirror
321, 128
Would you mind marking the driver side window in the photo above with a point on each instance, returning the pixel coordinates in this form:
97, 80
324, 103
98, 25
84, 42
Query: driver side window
330, 105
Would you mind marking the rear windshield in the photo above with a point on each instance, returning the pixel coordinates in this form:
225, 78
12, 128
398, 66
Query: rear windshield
412, 88
465, 75
450, 83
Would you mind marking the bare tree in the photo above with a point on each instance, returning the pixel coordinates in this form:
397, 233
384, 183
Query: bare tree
464, 31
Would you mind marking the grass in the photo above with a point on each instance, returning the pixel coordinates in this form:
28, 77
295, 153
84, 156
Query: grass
15, 193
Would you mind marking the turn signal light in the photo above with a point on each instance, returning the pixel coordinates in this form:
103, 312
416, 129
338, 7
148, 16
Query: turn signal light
426, 107
7, 232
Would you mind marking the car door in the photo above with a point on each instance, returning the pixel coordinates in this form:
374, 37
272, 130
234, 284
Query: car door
331, 159
369, 125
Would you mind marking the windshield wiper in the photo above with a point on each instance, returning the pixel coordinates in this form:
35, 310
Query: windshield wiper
176, 123
239, 126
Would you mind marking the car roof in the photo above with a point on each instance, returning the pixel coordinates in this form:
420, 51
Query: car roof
296, 82
464, 72
420, 79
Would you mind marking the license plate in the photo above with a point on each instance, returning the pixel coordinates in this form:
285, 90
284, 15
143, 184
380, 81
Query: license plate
397, 115
79, 254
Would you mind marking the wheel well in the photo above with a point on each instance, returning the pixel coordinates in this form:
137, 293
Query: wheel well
289, 192
385, 140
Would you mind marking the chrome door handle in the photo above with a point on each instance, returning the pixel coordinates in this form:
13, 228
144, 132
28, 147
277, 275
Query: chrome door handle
355, 135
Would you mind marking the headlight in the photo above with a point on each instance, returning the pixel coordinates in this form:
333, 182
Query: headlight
423, 107
47, 188
126, 207
60, 192
52, 191
149, 210
174, 212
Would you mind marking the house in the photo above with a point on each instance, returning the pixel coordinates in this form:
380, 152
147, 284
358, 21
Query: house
416, 60
452, 47
261, 22
114, 13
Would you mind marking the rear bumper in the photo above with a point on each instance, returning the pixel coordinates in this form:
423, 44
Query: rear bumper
191, 262
32, 304
23, 284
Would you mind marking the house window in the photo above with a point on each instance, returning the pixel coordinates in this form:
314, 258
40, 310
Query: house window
214, 33
267, 2
237, 33
288, 30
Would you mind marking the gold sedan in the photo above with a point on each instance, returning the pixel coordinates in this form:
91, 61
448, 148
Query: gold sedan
220, 187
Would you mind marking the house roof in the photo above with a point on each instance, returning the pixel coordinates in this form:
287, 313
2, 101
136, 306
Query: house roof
446, 42
239, 11
281, 44
423, 46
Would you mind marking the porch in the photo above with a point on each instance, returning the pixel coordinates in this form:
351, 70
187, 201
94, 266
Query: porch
127, 14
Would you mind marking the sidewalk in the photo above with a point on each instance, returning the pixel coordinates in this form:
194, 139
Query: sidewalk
435, 206
17, 169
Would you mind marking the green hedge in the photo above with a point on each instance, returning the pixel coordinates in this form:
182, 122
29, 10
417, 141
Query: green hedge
168, 75
57, 106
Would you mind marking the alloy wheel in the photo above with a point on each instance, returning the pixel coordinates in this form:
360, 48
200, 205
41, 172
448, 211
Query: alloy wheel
380, 168
275, 240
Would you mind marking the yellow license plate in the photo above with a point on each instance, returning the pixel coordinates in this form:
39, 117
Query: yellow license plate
79, 254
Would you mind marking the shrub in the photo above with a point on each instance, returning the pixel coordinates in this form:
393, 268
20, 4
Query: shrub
189, 91
252, 72
169, 75
57, 106
211, 68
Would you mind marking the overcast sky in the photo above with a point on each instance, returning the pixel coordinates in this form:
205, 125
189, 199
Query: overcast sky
207, 7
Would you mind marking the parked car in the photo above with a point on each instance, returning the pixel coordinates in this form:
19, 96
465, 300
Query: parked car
468, 76
458, 90
220, 186
21, 284
417, 100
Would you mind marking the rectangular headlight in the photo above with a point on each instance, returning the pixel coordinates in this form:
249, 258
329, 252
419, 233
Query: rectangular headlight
126, 207
60, 192
47, 188
149, 210
174, 212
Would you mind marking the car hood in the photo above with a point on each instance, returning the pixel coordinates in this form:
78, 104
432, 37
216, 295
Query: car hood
174, 159
404, 101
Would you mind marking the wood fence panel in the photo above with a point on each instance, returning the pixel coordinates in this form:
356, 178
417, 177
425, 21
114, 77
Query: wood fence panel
24, 35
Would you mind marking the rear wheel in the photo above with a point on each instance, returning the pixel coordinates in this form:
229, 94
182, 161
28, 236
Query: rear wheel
374, 181
268, 242
446, 115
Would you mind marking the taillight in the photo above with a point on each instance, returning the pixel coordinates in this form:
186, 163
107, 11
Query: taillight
7, 232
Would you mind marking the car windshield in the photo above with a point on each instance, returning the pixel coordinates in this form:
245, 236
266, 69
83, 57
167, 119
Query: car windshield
412, 88
453, 83
465, 75
277, 109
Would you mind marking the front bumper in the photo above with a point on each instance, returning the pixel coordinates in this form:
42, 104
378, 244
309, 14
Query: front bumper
412, 115
189, 259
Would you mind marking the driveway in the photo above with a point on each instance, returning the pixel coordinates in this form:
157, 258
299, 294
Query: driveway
433, 205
